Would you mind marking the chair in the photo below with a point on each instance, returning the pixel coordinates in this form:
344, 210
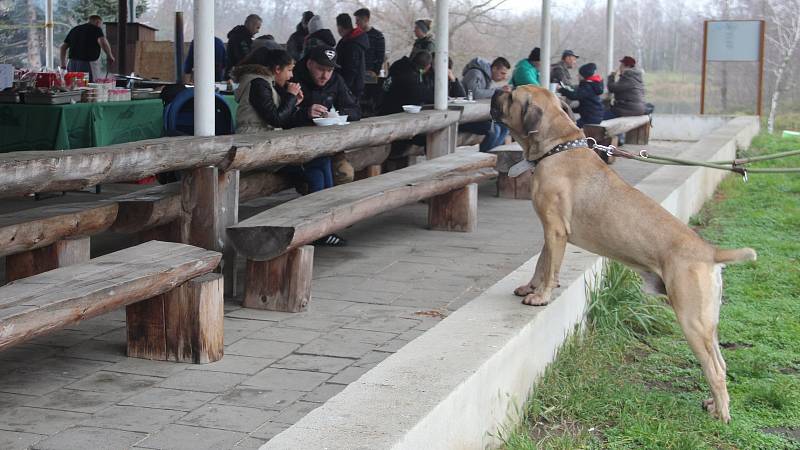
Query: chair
179, 115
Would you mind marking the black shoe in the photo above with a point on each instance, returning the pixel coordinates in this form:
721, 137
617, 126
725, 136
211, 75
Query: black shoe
331, 240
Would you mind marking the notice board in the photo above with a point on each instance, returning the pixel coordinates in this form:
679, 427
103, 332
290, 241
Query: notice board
734, 40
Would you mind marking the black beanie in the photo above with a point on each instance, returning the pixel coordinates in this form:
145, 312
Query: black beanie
535, 54
587, 70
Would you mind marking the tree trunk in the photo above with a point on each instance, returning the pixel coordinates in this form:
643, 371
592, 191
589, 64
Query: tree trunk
34, 57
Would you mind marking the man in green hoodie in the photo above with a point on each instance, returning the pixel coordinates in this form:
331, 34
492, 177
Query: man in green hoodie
527, 71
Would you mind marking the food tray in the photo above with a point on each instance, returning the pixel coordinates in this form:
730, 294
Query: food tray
144, 94
59, 98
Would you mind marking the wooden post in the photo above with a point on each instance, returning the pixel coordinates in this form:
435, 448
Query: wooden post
516, 188
373, 170
145, 326
194, 321
228, 193
441, 142
455, 211
58, 254
183, 325
200, 208
280, 284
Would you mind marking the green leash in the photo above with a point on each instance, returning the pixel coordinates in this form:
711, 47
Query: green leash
735, 165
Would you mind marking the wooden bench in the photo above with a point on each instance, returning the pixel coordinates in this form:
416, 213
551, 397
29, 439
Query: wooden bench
274, 242
507, 187
635, 128
174, 304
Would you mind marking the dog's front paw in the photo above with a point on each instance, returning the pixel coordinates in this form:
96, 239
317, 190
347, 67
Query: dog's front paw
710, 406
523, 290
536, 299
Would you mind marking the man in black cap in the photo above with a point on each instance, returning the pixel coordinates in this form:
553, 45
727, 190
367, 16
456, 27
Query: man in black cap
559, 72
323, 88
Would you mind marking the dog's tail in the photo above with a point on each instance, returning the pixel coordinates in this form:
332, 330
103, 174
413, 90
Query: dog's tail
734, 255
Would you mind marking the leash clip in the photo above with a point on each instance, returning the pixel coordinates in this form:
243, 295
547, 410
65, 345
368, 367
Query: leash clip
608, 149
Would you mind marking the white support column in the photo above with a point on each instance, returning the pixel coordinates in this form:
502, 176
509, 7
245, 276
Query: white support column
48, 35
544, 70
203, 67
609, 37
442, 28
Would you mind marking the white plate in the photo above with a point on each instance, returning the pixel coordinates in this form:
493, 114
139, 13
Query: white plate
326, 121
461, 101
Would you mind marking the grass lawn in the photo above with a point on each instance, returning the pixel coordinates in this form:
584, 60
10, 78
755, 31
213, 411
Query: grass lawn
631, 381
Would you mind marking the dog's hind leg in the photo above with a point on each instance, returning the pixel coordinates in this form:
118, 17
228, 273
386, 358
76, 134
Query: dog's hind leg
695, 294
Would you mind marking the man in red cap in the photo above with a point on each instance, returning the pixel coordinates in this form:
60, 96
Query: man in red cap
628, 90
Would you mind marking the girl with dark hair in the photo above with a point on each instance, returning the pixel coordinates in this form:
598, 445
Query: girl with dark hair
268, 101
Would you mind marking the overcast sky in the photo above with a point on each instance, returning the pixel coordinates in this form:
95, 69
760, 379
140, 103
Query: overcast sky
560, 6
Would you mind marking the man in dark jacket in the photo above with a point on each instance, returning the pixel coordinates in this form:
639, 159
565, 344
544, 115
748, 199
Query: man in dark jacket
323, 88
296, 41
628, 89
405, 84
376, 53
588, 92
240, 40
351, 49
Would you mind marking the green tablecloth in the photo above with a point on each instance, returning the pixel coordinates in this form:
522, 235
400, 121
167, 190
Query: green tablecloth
80, 125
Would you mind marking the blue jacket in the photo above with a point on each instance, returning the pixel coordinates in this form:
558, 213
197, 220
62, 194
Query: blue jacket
591, 106
219, 60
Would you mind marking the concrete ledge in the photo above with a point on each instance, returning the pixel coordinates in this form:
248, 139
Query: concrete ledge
467, 377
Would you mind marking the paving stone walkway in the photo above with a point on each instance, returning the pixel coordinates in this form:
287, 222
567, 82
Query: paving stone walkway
76, 389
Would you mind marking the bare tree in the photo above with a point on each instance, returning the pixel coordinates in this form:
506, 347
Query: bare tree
785, 38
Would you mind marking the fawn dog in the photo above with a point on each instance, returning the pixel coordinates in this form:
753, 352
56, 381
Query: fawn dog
581, 201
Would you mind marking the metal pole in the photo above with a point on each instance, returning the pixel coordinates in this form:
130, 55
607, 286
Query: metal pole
178, 47
132, 11
203, 67
610, 36
48, 35
442, 52
703, 76
544, 69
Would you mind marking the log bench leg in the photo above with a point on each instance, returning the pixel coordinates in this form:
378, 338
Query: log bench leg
517, 188
183, 325
58, 254
282, 283
638, 136
455, 211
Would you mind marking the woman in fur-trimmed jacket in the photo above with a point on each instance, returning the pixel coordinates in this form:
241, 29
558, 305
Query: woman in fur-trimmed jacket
267, 100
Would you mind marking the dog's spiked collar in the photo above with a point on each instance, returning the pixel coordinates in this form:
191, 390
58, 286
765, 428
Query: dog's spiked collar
526, 165
577, 143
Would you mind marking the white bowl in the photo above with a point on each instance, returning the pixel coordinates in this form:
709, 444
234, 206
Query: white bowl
412, 109
342, 119
326, 121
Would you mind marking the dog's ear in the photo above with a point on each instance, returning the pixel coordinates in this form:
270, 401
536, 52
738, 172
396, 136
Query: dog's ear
565, 107
531, 117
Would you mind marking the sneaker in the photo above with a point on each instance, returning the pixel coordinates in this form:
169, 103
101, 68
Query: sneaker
331, 240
